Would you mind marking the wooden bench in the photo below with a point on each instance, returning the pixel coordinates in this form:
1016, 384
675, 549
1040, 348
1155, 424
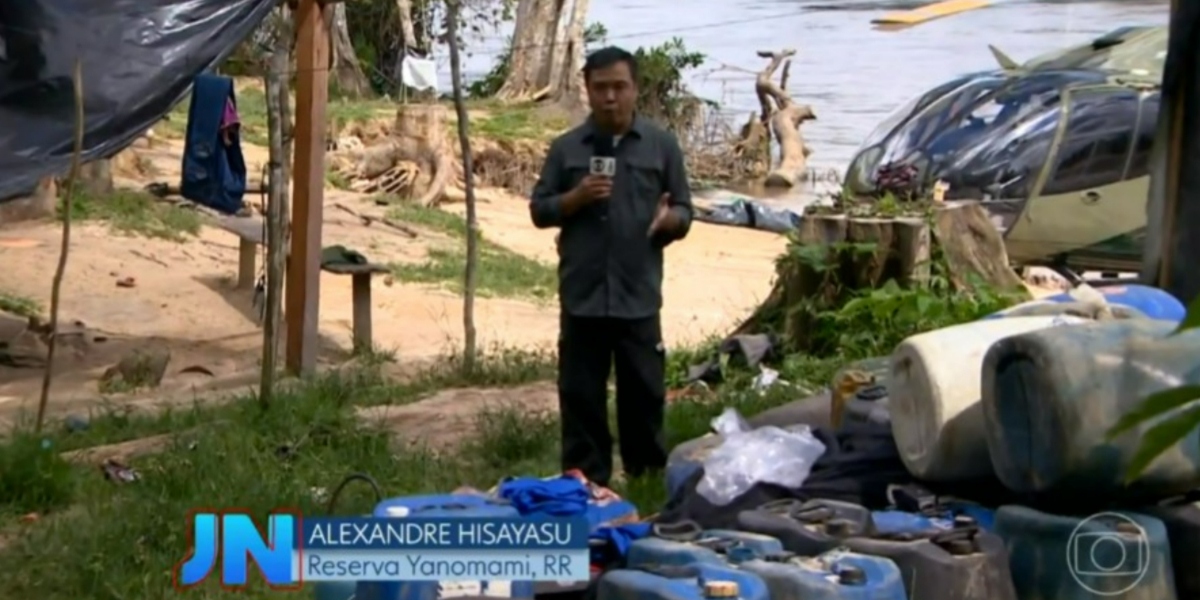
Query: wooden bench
250, 237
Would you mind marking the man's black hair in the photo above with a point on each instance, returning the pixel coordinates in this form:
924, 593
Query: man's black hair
607, 57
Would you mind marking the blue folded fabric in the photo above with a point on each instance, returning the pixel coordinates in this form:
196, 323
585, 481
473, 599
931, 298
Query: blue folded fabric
559, 497
610, 544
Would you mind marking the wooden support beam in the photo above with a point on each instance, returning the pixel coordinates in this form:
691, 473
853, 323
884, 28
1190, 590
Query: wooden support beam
1172, 243
303, 279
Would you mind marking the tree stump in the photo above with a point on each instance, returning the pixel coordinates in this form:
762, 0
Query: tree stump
836, 255
419, 135
40, 204
96, 178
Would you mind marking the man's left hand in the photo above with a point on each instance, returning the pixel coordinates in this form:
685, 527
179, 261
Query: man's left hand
664, 219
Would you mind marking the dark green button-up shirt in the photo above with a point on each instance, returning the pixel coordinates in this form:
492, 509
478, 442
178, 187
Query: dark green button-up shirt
608, 266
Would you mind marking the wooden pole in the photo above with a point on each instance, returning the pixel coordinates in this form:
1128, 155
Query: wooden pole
56, 286
304, 266
464, 139
1177, 238
277, 99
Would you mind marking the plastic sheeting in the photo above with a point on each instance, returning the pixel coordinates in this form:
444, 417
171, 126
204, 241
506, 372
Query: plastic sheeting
139, 58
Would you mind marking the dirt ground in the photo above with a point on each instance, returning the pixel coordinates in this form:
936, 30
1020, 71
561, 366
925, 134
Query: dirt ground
438, 422
184, 299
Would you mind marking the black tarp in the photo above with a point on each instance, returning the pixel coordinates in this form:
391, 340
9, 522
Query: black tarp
138, 58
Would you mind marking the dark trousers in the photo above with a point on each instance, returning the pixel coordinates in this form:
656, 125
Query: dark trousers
588, 349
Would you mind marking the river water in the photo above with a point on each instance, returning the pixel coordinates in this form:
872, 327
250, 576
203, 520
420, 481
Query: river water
852, 75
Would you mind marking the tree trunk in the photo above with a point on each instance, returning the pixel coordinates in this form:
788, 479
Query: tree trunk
533, 46
558, 59
464, 139
408, 33
348, 77
570, 91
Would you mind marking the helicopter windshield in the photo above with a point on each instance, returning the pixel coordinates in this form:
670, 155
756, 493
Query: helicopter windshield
912, 106
961, 129
929, 122
1003, 168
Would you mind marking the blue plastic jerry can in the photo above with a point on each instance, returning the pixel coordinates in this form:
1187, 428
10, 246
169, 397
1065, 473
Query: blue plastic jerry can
699, 581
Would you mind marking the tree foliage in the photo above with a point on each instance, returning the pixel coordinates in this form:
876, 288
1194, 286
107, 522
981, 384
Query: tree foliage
663, 94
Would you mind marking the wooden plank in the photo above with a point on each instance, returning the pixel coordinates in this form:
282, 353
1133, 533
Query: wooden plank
246, 228
249, 231
303, 280
929, 12
349, 269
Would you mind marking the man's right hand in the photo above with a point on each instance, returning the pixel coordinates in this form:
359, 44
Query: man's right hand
592, 188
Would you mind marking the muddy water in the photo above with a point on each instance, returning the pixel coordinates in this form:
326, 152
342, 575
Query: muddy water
853, 75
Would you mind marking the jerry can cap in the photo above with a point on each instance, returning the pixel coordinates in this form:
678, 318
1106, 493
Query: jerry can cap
738, 554
851, 575
720, 589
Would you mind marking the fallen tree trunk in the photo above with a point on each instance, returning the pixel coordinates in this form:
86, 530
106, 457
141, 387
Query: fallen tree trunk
784, 116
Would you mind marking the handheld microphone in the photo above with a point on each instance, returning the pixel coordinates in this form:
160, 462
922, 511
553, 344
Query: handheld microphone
604, 161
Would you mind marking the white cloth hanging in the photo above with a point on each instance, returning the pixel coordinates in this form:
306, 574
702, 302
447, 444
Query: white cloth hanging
419, 73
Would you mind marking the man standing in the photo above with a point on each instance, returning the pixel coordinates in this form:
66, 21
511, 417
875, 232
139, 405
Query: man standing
617, 187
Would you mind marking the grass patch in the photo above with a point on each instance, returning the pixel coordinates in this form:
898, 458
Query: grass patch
511, 122
119, 542
502, 272
133, 212
337, 181
20, 306
108, 423
110, 542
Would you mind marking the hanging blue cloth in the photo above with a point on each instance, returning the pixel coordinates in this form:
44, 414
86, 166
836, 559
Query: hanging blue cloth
559, 497
214, 170
610, 544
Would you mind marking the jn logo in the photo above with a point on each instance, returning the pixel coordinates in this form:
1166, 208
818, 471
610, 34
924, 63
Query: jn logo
238, 539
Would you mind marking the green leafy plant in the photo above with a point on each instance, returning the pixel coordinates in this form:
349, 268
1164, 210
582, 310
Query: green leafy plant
1169, 432
861, 323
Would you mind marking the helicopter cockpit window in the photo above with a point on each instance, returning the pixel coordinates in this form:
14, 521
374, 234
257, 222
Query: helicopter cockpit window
932, 121
1004, 165
991, 116
1096, 143
1143, 142
913, 106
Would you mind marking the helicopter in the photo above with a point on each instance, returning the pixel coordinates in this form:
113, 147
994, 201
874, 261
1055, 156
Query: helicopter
1057, 149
